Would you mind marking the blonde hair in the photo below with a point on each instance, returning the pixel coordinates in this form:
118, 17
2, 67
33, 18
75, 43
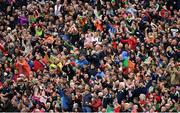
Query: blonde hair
142, 97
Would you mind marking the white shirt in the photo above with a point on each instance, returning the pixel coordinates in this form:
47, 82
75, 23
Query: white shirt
57, 9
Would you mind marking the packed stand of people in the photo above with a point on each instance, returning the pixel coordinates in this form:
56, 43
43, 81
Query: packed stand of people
89, 55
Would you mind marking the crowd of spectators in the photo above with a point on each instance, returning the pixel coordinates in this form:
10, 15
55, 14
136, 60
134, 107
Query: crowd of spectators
90, 55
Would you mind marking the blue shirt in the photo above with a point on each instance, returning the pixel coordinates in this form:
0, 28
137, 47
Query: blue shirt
81, 63
101, 74
65, 100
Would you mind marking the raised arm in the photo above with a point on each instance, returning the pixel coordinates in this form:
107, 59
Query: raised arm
146, 34
124, 40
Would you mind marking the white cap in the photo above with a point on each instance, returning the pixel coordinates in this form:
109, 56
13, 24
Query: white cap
5, 74
8, 29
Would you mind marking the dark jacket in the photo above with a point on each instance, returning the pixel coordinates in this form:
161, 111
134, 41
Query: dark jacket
138, 91
86, 99
107, 100
121, 95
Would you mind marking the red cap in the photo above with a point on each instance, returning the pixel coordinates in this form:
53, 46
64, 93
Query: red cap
73, 63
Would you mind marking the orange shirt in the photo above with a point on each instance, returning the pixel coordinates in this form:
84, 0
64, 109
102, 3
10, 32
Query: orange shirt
23, 68
83, 21
49, 39
131, 65
98, 25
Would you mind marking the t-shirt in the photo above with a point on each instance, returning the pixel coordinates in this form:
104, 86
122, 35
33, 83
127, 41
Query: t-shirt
174, 31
